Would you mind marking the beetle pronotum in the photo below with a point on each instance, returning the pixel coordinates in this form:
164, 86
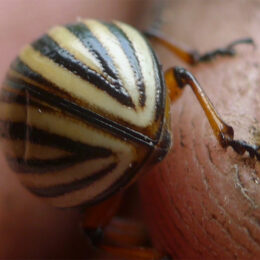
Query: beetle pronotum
85, 108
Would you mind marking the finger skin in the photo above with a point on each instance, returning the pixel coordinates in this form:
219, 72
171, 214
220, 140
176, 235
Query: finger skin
202, 202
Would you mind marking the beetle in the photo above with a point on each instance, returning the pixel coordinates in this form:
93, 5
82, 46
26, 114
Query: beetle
85, 109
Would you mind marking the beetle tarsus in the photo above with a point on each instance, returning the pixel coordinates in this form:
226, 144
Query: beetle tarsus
191, 56
241, 147
166, 257
226, 51
95, 235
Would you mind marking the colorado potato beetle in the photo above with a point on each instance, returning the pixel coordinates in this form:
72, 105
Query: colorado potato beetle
85, 109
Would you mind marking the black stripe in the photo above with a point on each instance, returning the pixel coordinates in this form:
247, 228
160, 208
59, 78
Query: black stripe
132, 58
81, 31
49, 48
119, 184
24, 70
18, 98
14, 131
10, 97
83, 113
40, 166
62, 189
18, 66
21, 131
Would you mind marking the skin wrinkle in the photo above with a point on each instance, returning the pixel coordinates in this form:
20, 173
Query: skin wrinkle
223, 209
161, 218
255, 221
209, 154
247, 230
208, 192
174, 207
238, 224
181, 132
194, 145
179, 214
206, 183
242, 189
256, 241
171, 201
202, 204
180, 116
164, 216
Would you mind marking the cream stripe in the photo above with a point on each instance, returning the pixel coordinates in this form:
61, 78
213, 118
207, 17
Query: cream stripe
80, 196
82, 89
72, 44
113, 47
38, 152
12, 112
65, 176
74, 130
144, 56
65, 127
80, 132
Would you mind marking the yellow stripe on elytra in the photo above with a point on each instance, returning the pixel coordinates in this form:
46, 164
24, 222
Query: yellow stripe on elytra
72, 44
115, 51
144, 56
38, 151
82, 89
69, 128
65, 176
74, 130
124, 152
12, 112
89, 193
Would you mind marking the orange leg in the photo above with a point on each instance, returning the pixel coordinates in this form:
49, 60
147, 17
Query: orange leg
118, 238
192, 56
97, 217
176, 79
136, 253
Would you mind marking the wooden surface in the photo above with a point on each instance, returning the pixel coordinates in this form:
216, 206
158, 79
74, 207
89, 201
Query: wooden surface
202, 202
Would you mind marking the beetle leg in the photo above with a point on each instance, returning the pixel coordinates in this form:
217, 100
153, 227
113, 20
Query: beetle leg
95, 218
137, 253
122, 239
176, 79
228, 50
117, 237
192, 56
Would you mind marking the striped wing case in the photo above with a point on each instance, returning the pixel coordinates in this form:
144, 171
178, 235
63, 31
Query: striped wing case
82, 110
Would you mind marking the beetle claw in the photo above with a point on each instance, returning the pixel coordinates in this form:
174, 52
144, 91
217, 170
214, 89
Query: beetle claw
229, 50
241, 147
